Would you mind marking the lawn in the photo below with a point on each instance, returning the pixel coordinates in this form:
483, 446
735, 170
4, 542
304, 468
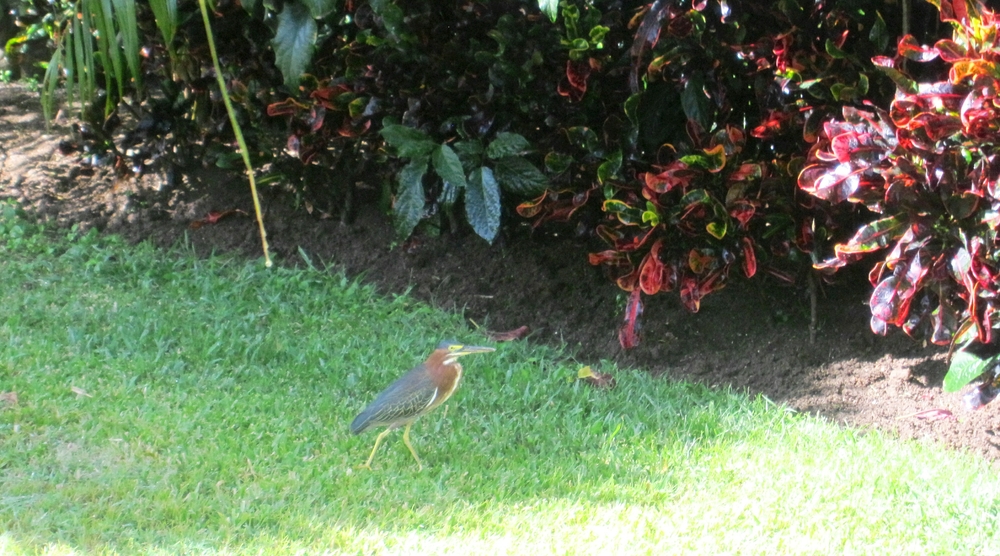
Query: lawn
172, 404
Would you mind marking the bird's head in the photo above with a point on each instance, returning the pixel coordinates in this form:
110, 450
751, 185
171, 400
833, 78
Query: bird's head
450, 350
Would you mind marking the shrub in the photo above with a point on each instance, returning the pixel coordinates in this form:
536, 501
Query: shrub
725, 97
926, 167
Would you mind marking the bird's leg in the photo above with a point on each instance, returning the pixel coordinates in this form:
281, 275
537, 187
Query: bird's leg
378, 440
406, 439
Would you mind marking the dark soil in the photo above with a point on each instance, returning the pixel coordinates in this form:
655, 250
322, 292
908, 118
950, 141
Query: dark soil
751, 336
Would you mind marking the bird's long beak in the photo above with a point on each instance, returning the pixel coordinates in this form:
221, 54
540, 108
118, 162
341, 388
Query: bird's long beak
466, 350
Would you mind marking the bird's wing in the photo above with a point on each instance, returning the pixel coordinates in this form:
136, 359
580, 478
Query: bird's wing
404, 399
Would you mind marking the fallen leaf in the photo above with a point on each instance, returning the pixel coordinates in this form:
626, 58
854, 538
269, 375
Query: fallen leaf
596, 379
8, 399
509, 335
80, 392
214, 216
930, 415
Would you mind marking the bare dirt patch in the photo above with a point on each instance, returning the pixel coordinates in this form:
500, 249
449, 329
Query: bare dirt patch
751, 336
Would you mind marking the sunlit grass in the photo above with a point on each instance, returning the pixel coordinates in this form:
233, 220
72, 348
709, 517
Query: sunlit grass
167, 404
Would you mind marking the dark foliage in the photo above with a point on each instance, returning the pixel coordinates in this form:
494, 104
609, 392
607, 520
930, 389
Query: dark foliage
695, 138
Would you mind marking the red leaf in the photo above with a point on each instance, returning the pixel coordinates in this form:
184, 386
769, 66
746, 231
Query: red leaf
690, 294
574, 85
747, 171
325, 96
834, 184
954, 10
531, 209
971, 68
553, 206
628, 334
348, 128
285, 107
635, 242
879, 326
772, 126
509, 335
950, 51
742, 211
873, 236
677, 174
605, 257
680, 27
910, 48
651, 271
315, 119
937, 126
213, 217
629, 281
699, 261
749, 258
890, 302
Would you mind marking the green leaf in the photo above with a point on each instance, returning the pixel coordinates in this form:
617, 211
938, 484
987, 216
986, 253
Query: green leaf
651, 216
962, 205
557, 163
695, 196
632, 108
482, 203
104, 15
964, 368
320, 8
717, 229
874, 236
392, 17
627, 214
448, 166
468, 148
408, 142
609, 168
129, 30
165, 14
294, 42
879, 34
519, 176
833, 50
899, 78
862, 84
584, 138
356, 108
695, 102
549, 8
409, 206
507, 144
597, 34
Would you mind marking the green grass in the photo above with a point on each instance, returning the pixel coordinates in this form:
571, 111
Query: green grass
169, 405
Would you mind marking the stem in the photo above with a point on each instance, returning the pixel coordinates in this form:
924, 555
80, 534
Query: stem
812, 307
237, 131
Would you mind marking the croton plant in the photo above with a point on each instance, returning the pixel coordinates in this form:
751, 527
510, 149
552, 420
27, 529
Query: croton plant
928, 166
721, 94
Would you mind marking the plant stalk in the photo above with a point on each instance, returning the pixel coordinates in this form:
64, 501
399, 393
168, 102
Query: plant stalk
237, 131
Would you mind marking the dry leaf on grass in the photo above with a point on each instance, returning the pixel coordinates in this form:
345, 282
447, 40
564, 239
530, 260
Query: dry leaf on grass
509, 335
80, 392
596, 379
8, 399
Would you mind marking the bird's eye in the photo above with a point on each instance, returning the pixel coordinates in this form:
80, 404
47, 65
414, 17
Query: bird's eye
454, 347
